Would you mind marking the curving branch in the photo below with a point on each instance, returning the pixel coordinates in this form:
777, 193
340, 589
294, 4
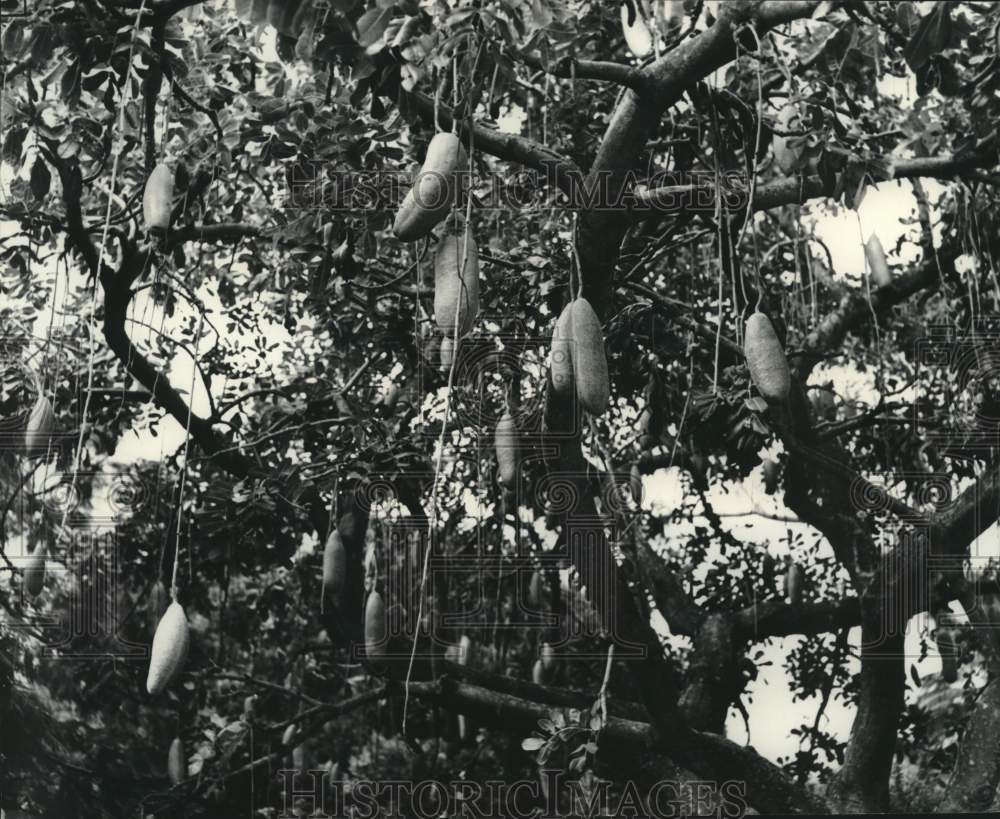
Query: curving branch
569, 67
775, 618
768, 789
562, 171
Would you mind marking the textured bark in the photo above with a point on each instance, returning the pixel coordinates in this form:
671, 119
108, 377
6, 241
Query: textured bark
713, 676
862, 784
974, 780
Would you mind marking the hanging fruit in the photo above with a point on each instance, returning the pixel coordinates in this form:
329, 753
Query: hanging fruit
877, 265
456, 283
794, 580
158, 197
447, 354
464, 649
334, 566
38, 431
561, 355
170, 645
548, 658
637, 35
375, 627
506, 442
590, 364
766, 359
175, 762
435, 190
34, 571
771, 472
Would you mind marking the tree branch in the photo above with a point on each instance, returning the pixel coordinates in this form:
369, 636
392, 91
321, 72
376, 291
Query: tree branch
570, 67
563, 172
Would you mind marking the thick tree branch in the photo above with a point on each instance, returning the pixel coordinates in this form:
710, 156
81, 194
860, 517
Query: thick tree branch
601, 230
768, 789
774, 618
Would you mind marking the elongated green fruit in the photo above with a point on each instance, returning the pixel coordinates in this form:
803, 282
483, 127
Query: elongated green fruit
877, 264
561, 356
41, 424
175, 762
766, 359
375, 631
334, 566
34, 571
158, 197
590, 364
506, 440
435, 190
456, 283
170, 645
637, 35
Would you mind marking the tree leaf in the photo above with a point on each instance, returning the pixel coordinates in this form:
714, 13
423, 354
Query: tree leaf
41, 178
931, 36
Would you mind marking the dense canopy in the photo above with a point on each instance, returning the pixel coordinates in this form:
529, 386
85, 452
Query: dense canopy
226, 380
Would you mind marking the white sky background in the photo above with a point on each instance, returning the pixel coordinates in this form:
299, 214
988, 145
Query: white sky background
772, 713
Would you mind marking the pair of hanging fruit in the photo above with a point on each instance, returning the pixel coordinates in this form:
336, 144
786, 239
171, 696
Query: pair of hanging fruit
577, 361
434, 191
